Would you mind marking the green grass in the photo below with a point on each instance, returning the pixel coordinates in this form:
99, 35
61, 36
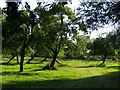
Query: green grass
76, 74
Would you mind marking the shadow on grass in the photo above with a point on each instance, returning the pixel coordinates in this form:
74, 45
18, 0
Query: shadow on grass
18, 73
115, 67
109, 80
9, 64
80, 59
34, 62
37, 70
33, 59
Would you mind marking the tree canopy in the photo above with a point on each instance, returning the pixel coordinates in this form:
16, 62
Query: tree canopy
42, 29
46, 29
98, 14
102, 47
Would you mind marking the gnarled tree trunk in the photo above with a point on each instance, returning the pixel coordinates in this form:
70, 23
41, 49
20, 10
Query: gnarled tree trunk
25, 44
22, 57
13, 56
104, 59
54, 59
44, 59
17, 59
32, 57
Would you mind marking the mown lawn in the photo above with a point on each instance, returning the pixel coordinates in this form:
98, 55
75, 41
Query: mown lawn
75, 74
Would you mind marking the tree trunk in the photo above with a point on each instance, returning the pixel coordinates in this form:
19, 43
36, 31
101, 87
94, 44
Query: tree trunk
32, 57
17, 59
22, 57
12, 58
104, 59
58, 62
44, 59
54, 60
113, 59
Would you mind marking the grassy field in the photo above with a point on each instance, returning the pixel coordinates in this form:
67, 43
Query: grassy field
75, 74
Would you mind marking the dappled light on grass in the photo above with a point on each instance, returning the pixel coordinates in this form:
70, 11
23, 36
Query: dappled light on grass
71, 74
105, 81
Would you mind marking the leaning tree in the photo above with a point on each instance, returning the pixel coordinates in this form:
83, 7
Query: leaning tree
56, 21
102, 47
18, 28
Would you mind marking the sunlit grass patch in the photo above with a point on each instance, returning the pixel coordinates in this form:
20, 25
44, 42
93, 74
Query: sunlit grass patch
74, 73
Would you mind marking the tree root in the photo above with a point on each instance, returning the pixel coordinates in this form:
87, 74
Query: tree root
47, 67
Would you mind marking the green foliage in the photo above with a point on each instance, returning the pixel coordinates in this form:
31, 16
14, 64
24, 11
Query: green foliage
17, 29
12, 10
115, 37
78, 48
43, 31
101, 46
81, 44
61, 54
98, 14
115, 40
55, 24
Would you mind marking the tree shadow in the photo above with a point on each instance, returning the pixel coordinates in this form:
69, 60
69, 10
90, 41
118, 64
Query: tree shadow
80, 60
12, 64
37, 62
100, 65
9, 64
33, 59
109, 80
17, 73
115, 67
33, 63
37, 70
